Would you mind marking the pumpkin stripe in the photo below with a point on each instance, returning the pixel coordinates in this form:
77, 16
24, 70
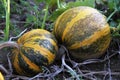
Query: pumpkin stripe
58, 21
15, 61
26, 67
51, 44
92, 49
48, 44
43, 51
81, 29
33, 33
29, 63
92, 38
59, 28
65, 15
54, 44
40, 58
79, 16
42, 37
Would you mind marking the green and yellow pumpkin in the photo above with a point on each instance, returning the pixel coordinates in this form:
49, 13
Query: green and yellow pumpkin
84, 31
33, 50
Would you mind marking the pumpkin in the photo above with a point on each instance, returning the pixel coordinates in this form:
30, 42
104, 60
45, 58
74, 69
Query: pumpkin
84, 31
1, 76
37, 48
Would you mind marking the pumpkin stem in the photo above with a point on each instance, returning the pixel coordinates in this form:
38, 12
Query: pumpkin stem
60, 52
9, 44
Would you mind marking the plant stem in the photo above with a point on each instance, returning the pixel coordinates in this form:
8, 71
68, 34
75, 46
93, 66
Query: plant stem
118, 27
111, 15
58, 3
9, 44
45, 16
7, 8
69, 68
2, 68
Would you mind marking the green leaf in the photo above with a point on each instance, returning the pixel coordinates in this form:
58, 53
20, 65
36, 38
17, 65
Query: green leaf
118, 27
114, 4
50, 2
40, 1
56, 13
30, 18
113, 23
90, 3
111, 4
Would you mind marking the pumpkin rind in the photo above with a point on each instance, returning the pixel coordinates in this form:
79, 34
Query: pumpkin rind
84, 31
37, 48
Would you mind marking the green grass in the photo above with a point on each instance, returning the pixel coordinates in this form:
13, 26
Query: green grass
45, 16
7, 23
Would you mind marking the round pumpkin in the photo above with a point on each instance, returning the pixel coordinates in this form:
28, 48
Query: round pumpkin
37, 48
84, 31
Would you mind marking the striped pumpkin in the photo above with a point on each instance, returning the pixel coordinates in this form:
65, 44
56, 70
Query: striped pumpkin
37, 48
83, 31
